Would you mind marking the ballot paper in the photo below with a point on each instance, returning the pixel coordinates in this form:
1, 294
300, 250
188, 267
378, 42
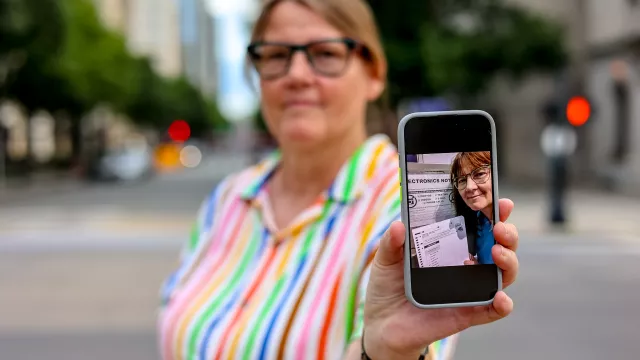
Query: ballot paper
441, 244
429, 198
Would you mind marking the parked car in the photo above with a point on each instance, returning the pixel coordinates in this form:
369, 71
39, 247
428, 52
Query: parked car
129, 163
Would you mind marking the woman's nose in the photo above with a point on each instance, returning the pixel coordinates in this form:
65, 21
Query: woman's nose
471, 185
300, 68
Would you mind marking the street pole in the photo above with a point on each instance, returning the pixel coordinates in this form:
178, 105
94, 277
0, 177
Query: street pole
577, 83
3, 157
557, 163
558, 187
4, 135
558, 142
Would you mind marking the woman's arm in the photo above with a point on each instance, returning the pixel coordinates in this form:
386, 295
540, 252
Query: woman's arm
390, 322
354, 352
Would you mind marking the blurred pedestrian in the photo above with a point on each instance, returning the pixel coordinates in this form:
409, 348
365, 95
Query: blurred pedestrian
299, 256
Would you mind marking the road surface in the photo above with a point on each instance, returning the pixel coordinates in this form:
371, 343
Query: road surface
70, 294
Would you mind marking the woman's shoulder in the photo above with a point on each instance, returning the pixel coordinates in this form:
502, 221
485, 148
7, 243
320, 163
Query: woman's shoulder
380, 162
376, 173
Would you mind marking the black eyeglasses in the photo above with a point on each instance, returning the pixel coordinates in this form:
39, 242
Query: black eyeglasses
479, 175
328, 57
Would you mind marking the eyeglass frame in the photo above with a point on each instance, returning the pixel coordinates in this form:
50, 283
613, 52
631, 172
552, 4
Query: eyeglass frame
352, 46
455, 179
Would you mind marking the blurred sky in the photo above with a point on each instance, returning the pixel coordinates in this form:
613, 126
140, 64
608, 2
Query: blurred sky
244, 7
237, 99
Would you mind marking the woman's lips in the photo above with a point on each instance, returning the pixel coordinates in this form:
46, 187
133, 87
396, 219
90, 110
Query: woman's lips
300, 103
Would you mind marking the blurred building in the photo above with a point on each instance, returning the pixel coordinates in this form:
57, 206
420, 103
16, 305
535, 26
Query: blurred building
519, 106
197, 45
613, 38
151, 27
603, 38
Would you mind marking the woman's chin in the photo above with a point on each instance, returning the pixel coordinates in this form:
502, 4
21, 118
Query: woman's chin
301, 137
477, 206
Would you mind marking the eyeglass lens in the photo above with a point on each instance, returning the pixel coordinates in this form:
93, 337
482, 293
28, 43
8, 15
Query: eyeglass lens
479, 176
328, 58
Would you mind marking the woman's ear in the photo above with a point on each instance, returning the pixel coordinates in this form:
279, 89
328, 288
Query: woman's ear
376, 87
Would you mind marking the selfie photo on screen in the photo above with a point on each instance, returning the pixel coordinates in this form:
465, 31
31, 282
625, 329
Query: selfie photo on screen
450, 209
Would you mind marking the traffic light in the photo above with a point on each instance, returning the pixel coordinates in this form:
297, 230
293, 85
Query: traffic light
179, 131
578, 110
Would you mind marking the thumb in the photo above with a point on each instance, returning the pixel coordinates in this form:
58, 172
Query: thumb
391, 250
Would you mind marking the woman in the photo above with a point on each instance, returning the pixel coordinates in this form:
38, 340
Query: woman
473, 199
295, 257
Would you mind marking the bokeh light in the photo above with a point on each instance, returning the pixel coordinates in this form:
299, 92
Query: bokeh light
179, 131
167, 156
578, 111
190, 156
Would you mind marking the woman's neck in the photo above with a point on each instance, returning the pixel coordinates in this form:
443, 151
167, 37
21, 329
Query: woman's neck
488, 212
307, 173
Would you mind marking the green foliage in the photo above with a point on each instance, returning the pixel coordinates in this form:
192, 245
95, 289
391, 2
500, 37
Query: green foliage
65, 59
214, 117
30, 25
439, 46
400, 23
32, 34
95, 61
258, 122
160, 101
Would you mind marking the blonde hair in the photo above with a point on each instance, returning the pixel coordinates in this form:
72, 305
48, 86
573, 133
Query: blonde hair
353, 18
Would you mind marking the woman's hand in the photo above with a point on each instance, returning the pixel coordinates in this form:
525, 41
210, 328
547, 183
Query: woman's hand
472, 260
395, 329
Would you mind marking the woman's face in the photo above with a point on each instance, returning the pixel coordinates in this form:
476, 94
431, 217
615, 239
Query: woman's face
303, 109
477, 196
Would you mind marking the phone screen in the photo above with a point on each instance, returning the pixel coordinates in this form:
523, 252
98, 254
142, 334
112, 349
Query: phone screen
450, 207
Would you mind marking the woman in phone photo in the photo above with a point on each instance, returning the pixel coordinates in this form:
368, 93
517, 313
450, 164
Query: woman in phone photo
472, 198
301, 256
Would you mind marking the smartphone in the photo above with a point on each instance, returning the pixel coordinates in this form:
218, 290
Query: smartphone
449, 181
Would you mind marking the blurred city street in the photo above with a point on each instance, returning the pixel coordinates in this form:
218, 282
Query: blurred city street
80, 271
117, 118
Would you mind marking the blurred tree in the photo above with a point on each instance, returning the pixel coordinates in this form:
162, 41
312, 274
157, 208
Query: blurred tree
70, 67
258, 122
440, 46
188, 103
94, 60
69, 61
32, 33
57, 56
160, 101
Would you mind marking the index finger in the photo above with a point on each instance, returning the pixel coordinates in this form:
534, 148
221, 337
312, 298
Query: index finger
505, 206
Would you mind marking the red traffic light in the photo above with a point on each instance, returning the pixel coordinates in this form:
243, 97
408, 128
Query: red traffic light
179, 131
578, 110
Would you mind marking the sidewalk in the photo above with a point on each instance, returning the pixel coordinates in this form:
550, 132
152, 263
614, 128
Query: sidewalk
16, 189
592, 213
588, 212
214, 166
97, 228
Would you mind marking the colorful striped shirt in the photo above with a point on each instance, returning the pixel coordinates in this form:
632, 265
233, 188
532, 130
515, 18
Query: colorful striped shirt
248, 290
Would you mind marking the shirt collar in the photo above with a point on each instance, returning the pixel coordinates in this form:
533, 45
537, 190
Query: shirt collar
483, 219
352, 179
